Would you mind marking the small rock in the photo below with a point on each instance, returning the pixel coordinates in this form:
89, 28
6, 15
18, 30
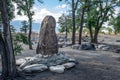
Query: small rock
117, 40
57, 69
20, 61
24, 64
69, 65
117, 50
35, 68
76, 46
71, 60
104, 47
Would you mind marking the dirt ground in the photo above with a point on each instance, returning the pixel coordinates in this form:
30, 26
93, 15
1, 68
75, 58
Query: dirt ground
92, 65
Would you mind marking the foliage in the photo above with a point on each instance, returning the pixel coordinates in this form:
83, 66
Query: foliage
21, 38
115, 23
65, 22
17, 48
18, 40
24, 27
25, 8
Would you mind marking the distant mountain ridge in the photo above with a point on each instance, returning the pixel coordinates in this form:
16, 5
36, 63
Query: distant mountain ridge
17, 24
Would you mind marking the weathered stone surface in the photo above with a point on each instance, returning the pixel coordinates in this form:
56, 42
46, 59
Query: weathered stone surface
47, 44
57, 69
103, 47
35, 68
53, 60
76, 46
87, 46
117, 50
20, 61
72, 60
69, 65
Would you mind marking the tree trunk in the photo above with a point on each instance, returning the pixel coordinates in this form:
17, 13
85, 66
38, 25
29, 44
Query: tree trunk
81, 25
4, 58
66, 31
8, 40
95, 39
30, 32
90, 29
47, 44
30, 24
73, 23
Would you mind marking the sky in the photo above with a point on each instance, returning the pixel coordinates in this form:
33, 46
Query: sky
49, 7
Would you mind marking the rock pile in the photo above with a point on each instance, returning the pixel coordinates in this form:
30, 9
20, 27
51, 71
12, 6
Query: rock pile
55, 63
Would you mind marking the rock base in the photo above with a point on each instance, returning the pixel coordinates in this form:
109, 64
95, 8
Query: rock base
55, 63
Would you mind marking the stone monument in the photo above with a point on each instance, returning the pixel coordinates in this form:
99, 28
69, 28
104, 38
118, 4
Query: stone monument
47, 44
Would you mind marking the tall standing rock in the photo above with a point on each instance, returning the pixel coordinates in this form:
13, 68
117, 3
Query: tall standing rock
47, 44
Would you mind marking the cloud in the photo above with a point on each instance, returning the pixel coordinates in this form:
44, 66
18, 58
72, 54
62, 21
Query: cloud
18, 17
61, 6
39, 14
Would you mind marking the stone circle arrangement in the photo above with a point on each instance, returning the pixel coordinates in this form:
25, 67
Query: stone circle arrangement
55, 63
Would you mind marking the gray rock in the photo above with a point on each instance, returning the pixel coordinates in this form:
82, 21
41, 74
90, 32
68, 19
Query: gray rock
76, 46
117, 50
57, 69
53, 60
117, 40
103, 47
87, 46
24, 64
35, 68
72, 60
20, 61
69, 65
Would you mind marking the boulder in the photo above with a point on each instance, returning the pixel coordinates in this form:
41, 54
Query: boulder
72, 60
103, 47
69, 65
35, 68
117, 50
20, 61
57, 69
87, 46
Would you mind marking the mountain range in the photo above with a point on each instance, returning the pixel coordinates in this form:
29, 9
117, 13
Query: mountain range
17, 24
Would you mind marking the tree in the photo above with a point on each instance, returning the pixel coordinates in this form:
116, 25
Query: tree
82, 10
11, 66
24, 27
65, 24
115, 23
25, 6
74, 7
104, 14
